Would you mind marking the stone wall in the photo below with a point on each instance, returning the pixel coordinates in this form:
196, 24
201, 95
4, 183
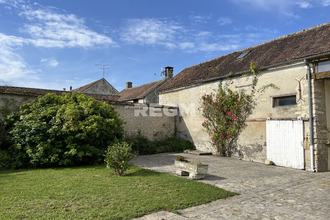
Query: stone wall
102, 87
320, 125
155, 122
251, 144
10, 103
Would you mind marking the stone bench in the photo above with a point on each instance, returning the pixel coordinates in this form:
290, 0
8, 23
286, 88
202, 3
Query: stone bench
194, 170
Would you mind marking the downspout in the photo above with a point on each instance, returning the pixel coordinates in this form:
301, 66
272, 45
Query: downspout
311, 127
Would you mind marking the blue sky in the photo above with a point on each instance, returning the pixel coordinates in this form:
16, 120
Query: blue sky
55, 44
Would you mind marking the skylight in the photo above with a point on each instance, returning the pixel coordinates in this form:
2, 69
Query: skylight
244, 54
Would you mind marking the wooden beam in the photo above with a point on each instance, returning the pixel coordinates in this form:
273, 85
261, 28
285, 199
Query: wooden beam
322, 75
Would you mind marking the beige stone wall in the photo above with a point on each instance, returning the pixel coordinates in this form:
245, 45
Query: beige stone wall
155, 123
251, 144
327, 102
11, 103
102, 87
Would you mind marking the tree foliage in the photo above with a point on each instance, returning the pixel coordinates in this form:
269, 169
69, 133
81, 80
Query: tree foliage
62, 130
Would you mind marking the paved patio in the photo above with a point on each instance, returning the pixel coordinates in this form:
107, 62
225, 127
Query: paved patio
266, 192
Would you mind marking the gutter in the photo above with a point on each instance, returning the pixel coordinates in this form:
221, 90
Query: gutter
311, 126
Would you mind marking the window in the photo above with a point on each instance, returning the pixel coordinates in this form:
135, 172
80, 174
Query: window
323, 66
284, 100
244, 54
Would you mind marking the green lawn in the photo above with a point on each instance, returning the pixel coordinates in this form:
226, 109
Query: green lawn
94, 193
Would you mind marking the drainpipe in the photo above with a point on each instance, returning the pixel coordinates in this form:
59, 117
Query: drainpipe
311, 127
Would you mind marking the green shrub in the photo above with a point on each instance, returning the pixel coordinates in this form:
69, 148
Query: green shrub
5, 159
63, 130
173, 144
142, 145
117, 157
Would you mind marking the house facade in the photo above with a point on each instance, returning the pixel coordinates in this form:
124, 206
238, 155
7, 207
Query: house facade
147, 93
299, 65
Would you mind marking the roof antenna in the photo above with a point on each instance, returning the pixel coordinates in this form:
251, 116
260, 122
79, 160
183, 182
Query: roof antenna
103, 67
162, 72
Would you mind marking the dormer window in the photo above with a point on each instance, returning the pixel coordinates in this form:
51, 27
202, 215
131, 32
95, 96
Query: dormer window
244, 54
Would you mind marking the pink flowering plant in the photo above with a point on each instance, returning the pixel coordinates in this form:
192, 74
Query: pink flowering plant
181, 158
226, 112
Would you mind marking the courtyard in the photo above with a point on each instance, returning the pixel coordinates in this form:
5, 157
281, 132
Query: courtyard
266, 192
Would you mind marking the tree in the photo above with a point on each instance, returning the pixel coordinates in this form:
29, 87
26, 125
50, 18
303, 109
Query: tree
68, 129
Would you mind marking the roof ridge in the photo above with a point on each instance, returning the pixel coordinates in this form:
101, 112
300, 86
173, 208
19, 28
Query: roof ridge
275, 39
144, 84
88, 85
283, 37
31, 88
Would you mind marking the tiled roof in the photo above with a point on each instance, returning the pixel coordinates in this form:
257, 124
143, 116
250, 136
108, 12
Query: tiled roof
39, 92
292, 47
140, 92
27, 91
85, 87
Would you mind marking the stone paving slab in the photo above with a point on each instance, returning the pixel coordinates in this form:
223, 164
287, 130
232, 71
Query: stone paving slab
162, 215
266, 192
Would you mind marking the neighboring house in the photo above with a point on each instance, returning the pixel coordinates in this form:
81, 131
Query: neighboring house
279, 128
147, 93
100, 87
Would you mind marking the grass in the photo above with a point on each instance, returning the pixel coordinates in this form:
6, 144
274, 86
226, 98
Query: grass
94, 193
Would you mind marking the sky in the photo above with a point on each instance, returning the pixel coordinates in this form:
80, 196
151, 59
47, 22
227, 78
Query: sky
55, 44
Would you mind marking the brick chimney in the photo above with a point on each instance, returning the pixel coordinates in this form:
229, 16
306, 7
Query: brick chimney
129, 85
169, 72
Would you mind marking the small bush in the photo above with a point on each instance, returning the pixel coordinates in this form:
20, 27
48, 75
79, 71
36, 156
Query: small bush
117, 157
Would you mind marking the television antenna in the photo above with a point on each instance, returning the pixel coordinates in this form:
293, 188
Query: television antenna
162, 72
103, 67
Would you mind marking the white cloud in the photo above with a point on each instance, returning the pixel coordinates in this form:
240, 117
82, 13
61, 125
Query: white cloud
325, 3
187, 45
12, 65
51, 29
200, 19
150, 32
284, 7
52, 62
224, 21
212, 47
46, 28
304, 4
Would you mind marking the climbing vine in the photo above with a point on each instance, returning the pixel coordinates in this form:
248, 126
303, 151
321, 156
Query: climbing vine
226, 112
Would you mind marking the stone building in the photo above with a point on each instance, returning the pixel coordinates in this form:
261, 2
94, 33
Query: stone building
147, 93
299, 65
100, 87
